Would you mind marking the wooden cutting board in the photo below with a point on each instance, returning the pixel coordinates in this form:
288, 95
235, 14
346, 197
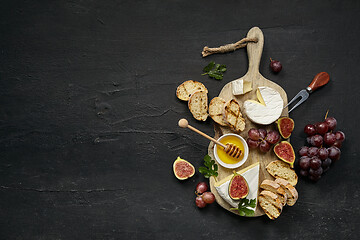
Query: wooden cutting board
254, 51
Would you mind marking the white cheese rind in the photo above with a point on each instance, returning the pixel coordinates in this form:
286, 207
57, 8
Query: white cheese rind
269, 113
240, 86
252, 178
237, 87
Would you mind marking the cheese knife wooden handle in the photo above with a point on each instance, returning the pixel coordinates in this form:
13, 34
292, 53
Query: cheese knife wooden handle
319, 80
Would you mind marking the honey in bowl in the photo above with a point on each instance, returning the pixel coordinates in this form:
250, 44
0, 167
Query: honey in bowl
226, 158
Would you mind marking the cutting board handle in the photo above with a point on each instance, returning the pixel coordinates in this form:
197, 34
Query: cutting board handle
254, 50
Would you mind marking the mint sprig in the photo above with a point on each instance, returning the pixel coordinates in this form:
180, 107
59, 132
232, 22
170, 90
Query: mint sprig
210, 168
243, 207
214, 70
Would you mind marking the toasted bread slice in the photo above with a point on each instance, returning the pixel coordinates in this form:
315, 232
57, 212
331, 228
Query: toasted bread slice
233, 116
216, 110
184, 90
272, 186
280, 169
198, 105
291, 192
270, 203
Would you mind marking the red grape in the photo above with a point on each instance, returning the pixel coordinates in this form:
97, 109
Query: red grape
304, 173
310, 130
321, 128
303, 151
201, 187
316, 140
254, 134
272, 137
314, 178
340, 136
252, 143
208, 197
334, 153
331, 122
315, 125
318, 171
262, 133
311, 172
313, 151
315, 163
326, 163
200, 202
337, 144
323, 153
329, 138
304, 162
264, 146
325, 143
275, 65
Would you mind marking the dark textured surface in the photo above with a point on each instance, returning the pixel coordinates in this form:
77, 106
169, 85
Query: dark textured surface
88, 116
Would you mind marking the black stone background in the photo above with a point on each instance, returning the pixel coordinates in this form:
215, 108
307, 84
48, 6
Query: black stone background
88, 116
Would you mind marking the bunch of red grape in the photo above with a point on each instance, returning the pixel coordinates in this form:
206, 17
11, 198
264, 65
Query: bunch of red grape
262, 139
325, 144
202, 196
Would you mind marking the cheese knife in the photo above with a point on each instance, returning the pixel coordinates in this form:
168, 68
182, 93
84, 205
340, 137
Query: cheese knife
319, 80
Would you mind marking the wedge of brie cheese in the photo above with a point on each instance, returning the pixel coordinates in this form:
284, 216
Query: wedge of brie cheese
240, 86
268, 109
251, 175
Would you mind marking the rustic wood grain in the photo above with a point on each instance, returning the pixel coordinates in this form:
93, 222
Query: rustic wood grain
254, 51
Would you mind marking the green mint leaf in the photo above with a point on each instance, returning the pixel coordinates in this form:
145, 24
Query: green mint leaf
243, 207
241, 213
207, 164
214, 70
248, 212
203, 170
241, 203
207, 158
209, 67
215, 167
222, 68
216, 75
253, 203
210, 168
211, 72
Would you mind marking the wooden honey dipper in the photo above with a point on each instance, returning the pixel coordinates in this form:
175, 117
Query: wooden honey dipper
229, 148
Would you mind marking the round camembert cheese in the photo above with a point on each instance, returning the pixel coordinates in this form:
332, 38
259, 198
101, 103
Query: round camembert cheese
268, 109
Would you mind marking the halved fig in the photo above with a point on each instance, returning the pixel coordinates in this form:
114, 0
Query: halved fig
183, 169
238, 187
285, 152
285, 126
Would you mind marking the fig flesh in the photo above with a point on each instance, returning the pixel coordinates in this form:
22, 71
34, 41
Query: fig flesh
285, 152
238, 187
285, 126
183, 169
